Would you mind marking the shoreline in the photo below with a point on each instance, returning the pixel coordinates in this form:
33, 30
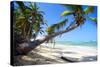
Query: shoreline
71, 47
46, 54
85, 53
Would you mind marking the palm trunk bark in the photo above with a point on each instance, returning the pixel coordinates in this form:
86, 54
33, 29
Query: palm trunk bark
48, 37
30, 46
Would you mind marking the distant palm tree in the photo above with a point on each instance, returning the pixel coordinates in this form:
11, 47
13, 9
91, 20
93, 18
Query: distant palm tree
29, 20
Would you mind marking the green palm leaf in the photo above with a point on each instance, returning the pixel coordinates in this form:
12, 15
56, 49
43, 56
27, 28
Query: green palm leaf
89, 9
93, 19
56, 27
66, 12
28, 19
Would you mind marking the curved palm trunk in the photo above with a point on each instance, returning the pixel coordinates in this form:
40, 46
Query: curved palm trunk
56, 34
24, 48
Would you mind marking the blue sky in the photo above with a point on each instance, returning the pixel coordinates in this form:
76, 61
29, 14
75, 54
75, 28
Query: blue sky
88, 32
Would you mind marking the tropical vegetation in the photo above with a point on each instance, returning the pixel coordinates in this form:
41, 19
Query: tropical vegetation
28, 22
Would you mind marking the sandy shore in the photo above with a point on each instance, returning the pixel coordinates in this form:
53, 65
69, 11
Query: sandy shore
47, 54
82, 53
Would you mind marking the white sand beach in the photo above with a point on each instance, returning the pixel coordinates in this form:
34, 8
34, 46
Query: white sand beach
79, 53
47, 54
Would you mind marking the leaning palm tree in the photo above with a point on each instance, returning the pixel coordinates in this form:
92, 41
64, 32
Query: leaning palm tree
31, 23
79, 14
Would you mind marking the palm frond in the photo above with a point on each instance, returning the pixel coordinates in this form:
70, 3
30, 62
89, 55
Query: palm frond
89, 9
31, 6
93, 19
56, 27
28, 19
66, 12
21, 5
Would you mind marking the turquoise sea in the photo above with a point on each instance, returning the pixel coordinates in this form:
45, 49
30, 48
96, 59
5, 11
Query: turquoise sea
89, 43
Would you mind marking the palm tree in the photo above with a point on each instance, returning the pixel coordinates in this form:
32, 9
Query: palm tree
28, 20
80, 16
31, 20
